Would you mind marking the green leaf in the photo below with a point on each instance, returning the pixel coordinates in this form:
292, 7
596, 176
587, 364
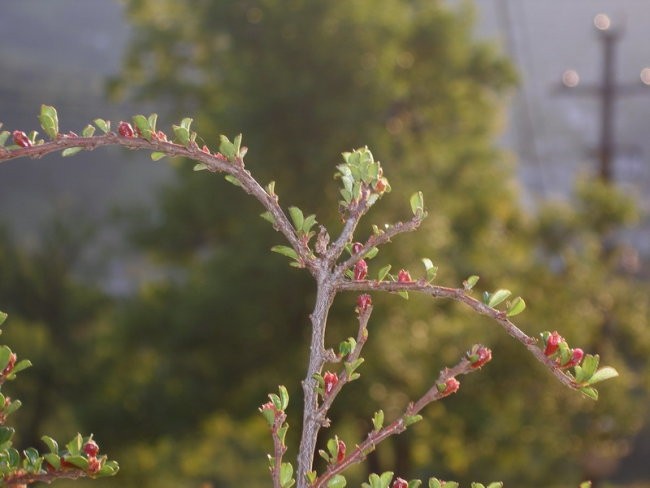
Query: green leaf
285, 251
347, 346
6, 434
268, 216
383, 272
311, 476
4, 135
470, 282
20, 365
5, 355
477, 485
49, 121
411, 419
497, 297
284, 397
3, 317
152, 122
430, 269
286, 475
404, 294
337, 481
378, 420
351, 367
53, 460
324, 455
417, 203
603, 374
70, 151
585, 484
142, 123
51, 444
200, 167
157, 156
333, 447
495, 484
227, 148
296, 217
237, 144
12, 407
88, 131
372, 252
232, 179
110, 468
414, 484
385, 478
270, 188
76, 460
516, 307
181, 134
308, 223
589, 365
74, 446
590, 392
103, 125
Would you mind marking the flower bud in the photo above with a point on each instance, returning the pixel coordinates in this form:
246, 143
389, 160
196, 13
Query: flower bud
91, 448
400, 483
94, 465
363, 302
21, 139
340, 453
403, 276
330, 379
478, 356
356, 247
360, 270
125, 129
576, 356
448, 387
552, 343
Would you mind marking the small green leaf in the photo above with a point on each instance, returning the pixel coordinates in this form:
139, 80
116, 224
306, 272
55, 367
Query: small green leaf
383, 272
337, 481
516, 307
6, 434
70, 151
270, 188
470, 282
152, 122
232, 179
4, 135
20, 365
590, 392
414, 484
53, 460
88, 131
51, 444
351, 367
497, 297
385, 478
237, 144
404, 294
411, 419
103, 125
285, 251
308, 223
372, 252
417, 203
585, 484
49, 121
268, 216
227, 148
181, 134
378, 420
495, 484
286, 475
74, 446
12, 407
324, 455
200, 167
5, 355
603, 374
477, 485
76, 460
157, 156
142, 123
311, 476
431, 270
333, 447
347, 346
284, 397
3, 317
296, 217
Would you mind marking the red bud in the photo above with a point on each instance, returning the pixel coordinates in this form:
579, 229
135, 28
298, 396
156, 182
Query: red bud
21, 139
400, 483
552, 343
478, 356
356, 247
340, 453
403, 276
330, 379
360, 270
91, 448
576, 356
363, 302
125, 129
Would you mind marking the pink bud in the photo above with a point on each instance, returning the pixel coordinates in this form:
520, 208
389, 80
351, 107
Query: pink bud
205, 149
94, 465
403, 276
356, 247
552, 343
91, 448
478, 356
330, 379
400, 483
576, 356
363, 302
340, 453
450, 386
125, 129
360, 270
21, 139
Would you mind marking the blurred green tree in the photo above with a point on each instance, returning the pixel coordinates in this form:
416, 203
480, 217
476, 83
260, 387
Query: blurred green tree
304, 80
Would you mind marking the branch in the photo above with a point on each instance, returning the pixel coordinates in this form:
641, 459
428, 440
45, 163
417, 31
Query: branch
461, 295
445, 385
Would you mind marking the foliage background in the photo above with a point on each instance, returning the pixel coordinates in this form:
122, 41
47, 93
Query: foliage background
171, 375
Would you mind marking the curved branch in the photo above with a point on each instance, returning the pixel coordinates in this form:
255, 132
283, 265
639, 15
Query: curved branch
461, 295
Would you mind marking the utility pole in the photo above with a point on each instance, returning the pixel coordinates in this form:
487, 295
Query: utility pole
607, 91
